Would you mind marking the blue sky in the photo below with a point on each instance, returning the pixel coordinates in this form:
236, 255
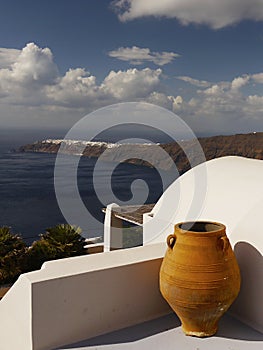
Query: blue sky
62, 59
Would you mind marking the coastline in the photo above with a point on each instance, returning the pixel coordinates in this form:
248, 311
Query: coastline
246, 145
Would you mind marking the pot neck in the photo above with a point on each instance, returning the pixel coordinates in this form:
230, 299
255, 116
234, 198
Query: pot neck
200, 228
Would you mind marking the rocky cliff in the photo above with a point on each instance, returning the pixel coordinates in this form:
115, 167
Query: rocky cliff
246, 145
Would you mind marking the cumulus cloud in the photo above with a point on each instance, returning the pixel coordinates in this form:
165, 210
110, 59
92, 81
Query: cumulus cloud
32, 79
25, 79
75, 88
254, 102
258, 78
132, 83
195, 82
214, 13
224, 107
31, 64
34, 64
239, 82
137, 55
229, 87
79, 88
170, 102
8, 57
214, 90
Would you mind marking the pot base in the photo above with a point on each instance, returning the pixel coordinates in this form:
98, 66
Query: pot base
200, 334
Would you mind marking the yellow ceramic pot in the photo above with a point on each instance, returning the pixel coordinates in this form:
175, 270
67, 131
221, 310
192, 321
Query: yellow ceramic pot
199, 276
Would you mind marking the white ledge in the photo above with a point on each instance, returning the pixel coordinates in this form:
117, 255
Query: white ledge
77, 298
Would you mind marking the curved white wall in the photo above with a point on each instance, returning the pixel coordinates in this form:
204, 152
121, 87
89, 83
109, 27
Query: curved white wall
233, 195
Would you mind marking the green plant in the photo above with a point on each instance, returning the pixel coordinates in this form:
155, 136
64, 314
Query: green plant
66, 240
60, 241
38, 253
12, 255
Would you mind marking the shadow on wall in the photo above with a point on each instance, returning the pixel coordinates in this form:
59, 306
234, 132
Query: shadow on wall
248, 306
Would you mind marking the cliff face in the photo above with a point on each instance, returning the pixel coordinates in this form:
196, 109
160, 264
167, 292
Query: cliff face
246, 145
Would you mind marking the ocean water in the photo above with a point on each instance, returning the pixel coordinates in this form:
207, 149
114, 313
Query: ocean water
28, 202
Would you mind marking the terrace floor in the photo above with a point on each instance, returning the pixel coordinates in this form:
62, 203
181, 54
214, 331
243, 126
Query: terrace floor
165, 333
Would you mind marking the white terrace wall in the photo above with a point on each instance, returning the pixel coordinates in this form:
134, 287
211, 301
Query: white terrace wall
74, 299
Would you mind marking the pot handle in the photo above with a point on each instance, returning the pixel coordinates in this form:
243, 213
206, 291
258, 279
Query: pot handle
171, 239
224, 243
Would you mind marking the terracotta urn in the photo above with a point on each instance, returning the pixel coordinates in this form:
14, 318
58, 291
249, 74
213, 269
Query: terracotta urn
199, 275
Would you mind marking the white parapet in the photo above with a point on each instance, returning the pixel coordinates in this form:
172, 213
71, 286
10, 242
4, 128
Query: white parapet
77, 298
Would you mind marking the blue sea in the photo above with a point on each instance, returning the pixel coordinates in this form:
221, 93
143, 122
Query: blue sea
28, 202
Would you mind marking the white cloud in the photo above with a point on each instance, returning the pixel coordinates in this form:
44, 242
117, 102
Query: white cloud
79, 89
239, 82
195, 82
224, 107
214, 13
256, 100
33, 80
24, 81
215, 90
34, 65
132, 83
137, 55
170, 102
75, 89
8, 57
30, 65
32, 84
258, 78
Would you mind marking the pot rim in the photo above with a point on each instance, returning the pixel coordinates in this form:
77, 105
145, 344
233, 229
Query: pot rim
221, 227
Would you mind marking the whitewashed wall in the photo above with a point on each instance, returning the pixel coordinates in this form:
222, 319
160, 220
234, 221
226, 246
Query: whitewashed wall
73, 299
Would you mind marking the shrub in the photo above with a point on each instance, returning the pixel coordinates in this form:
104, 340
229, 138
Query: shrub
60, 241
12, 255
38, 253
